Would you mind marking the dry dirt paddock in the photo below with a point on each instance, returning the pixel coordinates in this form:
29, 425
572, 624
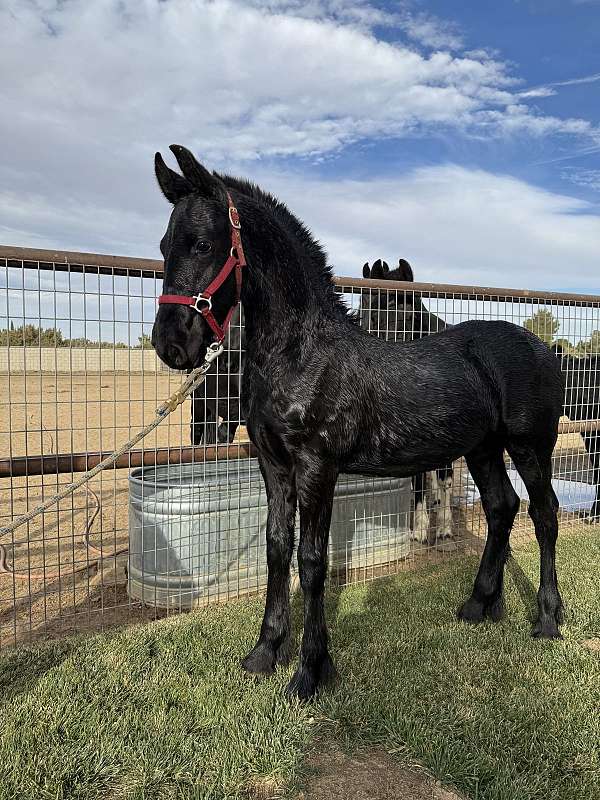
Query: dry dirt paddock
51, 580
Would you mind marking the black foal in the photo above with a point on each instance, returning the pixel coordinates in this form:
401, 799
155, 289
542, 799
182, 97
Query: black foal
321, 396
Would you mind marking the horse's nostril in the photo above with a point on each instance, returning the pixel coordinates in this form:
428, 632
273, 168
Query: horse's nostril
177, 355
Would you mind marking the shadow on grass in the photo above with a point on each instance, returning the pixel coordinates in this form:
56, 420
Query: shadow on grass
23, 668
475, 704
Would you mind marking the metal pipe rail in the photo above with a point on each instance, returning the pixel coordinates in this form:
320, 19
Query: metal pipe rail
67, 261
97, 263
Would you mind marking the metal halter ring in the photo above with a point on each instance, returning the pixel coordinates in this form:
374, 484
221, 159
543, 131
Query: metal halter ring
200, 299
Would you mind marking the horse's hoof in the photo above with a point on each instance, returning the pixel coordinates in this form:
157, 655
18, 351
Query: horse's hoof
260, 661
446, 545
305, 684
472, 611
548, 629
302, 686
284, 653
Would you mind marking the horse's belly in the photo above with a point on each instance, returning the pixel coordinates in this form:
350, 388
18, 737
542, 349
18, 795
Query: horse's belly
401, 455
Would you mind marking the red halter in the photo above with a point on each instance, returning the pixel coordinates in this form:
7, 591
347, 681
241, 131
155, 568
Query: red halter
235, 261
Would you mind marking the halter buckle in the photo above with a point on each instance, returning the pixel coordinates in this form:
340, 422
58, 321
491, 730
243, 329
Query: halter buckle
200, 299
234, 218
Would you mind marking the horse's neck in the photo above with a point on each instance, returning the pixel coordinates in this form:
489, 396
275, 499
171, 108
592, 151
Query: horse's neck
285, 292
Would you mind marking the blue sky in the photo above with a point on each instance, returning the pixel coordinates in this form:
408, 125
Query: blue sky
462, 136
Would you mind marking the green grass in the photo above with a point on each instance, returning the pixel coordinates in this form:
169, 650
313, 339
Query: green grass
164, 711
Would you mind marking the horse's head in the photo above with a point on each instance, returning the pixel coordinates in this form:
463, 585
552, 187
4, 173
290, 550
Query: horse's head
383, 313
196, 247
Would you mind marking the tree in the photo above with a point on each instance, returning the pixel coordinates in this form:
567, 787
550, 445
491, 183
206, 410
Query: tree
589, 346
31, 336
566, 346
543, 324
145, 342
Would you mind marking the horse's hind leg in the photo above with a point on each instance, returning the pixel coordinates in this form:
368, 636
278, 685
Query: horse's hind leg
500, 504
592, 445
535, 468
420, 529
444, 477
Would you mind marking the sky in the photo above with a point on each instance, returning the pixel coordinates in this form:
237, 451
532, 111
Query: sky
463, 136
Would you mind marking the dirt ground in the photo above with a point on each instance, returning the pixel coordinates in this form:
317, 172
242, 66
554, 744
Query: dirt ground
373, 775
61, 585
65, 413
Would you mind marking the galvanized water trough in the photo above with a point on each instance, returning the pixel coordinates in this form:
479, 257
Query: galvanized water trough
197, 531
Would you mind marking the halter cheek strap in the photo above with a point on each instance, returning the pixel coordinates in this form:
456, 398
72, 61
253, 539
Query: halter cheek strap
202, 303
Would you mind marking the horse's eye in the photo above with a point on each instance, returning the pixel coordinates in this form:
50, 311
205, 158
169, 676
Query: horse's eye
203, 247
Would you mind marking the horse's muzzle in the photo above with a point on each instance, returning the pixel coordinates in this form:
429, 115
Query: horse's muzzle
179, 336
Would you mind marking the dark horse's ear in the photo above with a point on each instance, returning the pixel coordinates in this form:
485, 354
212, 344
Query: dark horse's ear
172, 185
378, 270
386, 268
366, 270
198, 176
405, 271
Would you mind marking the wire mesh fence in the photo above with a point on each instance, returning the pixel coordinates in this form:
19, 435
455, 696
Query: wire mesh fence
180, 521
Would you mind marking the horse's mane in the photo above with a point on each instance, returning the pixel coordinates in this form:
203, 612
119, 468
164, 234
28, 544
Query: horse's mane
299, 231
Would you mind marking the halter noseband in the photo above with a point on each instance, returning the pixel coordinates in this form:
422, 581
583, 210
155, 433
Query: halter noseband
202, 303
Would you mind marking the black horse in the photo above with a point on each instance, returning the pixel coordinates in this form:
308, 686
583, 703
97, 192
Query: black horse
403, 316
582, 402
321, 396
215, 408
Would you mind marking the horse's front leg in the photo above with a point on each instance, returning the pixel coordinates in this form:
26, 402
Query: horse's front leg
274, 640
315, 486
229, 411
198, 415
592, 445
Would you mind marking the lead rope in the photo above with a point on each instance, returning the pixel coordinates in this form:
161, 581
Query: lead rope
194, 379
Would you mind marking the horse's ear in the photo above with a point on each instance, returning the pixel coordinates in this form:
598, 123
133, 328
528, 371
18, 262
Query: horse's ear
386, 268
197, 175
405, 270
172, 185
377, 270
366, 270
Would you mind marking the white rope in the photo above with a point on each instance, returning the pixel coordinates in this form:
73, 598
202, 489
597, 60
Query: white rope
194, 379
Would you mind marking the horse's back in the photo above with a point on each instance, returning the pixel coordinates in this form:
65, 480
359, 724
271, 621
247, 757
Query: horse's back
523, 370
494, 370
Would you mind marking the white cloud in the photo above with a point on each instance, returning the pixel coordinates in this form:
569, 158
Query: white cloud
548, 91
542, 91
453, 224
288, 78
91, 89
430, 31
589, 178
574, 81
